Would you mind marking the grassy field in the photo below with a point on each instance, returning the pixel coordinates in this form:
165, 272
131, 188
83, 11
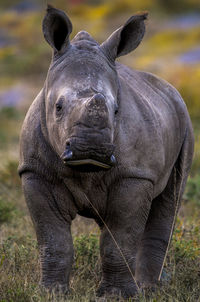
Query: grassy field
24, 62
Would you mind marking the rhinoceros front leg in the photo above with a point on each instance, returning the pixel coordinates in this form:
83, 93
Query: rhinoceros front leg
129, 205
50, 209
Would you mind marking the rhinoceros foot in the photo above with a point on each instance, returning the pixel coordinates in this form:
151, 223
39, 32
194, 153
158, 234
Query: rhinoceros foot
124, 291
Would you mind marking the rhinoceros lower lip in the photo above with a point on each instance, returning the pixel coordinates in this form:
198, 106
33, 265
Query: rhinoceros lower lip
92, 162
87, 162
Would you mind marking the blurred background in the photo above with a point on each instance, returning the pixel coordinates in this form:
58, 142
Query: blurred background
170, 49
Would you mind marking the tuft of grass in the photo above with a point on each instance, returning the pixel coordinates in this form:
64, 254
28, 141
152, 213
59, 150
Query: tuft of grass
186, 242
18, 269
9, 176
86, 251
6, 211
192, 192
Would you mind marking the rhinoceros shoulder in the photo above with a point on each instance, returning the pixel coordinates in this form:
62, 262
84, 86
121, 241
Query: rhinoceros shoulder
155, 111
147, 84
31, 124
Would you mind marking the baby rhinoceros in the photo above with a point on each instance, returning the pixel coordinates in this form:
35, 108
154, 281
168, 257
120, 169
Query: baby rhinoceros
109, 143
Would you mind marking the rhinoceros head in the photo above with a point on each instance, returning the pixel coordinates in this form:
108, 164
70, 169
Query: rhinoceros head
82, 90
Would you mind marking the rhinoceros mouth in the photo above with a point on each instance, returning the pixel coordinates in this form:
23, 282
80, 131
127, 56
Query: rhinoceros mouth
79, 156
87, 162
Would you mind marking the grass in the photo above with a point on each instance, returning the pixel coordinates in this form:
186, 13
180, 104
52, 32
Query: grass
19, 266
6, 210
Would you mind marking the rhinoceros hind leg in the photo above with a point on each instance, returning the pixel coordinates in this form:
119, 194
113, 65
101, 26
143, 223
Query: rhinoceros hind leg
156, 237
160, 224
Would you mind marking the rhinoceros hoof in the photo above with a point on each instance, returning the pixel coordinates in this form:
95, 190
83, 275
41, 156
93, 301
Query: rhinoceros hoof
109, 291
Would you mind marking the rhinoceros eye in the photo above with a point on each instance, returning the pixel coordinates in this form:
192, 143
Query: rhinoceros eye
58, 107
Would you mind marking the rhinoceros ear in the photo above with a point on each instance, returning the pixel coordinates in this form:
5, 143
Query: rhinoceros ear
126, 38
56, 28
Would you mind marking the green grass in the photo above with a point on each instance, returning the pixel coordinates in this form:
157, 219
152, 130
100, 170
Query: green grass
6, 211
19, 266
192, 192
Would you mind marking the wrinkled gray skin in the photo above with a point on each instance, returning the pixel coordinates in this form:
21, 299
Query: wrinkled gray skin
93, 108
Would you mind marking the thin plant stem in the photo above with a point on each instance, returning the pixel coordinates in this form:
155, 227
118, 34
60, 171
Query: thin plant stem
113, 238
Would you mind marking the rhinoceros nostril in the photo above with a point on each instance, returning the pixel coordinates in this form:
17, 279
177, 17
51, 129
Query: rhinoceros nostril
67, 155
68, 144
113, 160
